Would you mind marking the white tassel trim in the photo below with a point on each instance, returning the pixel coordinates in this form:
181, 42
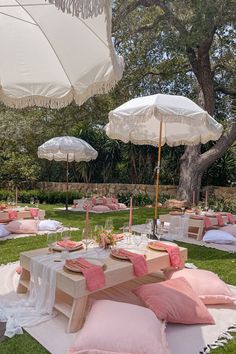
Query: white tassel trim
221, 341
80, 8
57, 103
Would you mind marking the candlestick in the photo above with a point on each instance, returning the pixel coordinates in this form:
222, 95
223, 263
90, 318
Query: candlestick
130, 214
86, 225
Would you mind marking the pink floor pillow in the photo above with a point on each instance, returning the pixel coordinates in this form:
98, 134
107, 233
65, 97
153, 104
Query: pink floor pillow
207, 285
231, 229
120, 328
121, 206
174, 301
23, 226
113, 206
100, 208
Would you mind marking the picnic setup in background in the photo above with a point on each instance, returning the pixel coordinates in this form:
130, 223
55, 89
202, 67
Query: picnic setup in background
106, 292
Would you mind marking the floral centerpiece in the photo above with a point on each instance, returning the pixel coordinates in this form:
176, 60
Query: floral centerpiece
106, 239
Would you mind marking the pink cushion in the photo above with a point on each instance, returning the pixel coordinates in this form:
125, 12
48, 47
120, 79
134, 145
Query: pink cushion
174, 301
207, 285
121, 206
23, 226
100, 208
112, 206
231, 229
119, 328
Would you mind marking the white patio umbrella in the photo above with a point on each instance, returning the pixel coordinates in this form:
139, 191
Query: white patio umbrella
50, 58
67, 148
159, 119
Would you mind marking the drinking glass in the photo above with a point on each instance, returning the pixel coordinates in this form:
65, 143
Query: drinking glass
149, 227
36, 203
51, 241
66, 234
127, 233
160, 231
32, 200
137, 238
108, 225
86, 241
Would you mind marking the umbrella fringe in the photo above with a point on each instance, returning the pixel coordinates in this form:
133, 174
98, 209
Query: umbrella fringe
81, 8
57, 103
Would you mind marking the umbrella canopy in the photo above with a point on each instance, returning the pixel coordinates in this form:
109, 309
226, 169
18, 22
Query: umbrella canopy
67, 148
159, 119
50, 58
183, 122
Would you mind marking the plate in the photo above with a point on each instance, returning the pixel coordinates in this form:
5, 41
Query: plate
91, 260
59, 248
155, 247
115, 253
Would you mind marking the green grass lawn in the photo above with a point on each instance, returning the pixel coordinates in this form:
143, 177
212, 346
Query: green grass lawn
224, 264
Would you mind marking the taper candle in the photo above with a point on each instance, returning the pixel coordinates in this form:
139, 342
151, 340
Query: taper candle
130, 214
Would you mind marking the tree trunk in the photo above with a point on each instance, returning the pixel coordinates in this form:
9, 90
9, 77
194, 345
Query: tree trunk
190, 175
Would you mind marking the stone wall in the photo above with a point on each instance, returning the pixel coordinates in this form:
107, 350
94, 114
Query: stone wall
107, 189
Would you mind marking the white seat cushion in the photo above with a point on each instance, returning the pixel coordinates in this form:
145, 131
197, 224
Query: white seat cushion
219, 236
49, 225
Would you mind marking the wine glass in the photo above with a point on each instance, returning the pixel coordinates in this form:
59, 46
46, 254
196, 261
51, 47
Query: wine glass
148, 227
138, 239
108, 225
85, 239
32, 200
126, 232
160, 231
36, 203
51, 241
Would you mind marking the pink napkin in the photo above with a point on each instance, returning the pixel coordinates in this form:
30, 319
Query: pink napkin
94, 275
67, 243
12, 214
174, 254
207, 222
138, 261
34, 212
220, 220
230, 218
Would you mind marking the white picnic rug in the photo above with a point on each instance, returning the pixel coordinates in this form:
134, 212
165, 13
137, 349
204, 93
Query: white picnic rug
182, 339
14, 236
231, 248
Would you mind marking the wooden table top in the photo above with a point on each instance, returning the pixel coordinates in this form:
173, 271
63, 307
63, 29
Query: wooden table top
117, 271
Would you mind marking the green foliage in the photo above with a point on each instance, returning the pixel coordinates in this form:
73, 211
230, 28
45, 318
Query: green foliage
50, 197
141, 199
222, 204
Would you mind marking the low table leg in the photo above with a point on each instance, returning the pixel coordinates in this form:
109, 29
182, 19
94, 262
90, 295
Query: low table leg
76, 319
23, 284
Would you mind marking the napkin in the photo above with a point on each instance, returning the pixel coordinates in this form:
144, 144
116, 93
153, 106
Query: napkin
230, 218
34, 212
207, 222
220, 220
94, 275
138, 261
12, 214
68, 243
174, 254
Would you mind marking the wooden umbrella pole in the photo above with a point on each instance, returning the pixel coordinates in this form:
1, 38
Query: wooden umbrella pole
67, 178
158, 171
